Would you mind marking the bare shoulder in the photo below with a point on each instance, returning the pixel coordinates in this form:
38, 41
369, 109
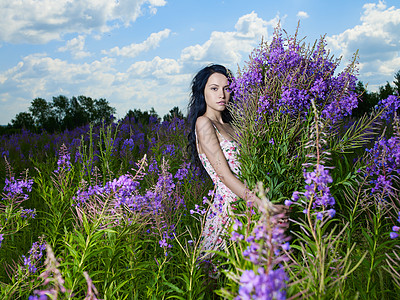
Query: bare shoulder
204, 125
205, 131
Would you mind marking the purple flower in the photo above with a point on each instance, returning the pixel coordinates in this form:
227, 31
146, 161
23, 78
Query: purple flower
394, 235
163, 243
286, 246
35, 254
25, 213
17, 188
237, 224
271, 285
64, 159
288, 202
236, 236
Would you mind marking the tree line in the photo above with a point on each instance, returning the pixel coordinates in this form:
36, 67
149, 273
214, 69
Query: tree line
63, 113
68, 113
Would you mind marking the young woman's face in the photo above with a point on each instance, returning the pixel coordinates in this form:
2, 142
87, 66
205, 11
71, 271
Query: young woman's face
216, 92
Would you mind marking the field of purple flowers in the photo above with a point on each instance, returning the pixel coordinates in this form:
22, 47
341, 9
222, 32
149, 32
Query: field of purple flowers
116, 211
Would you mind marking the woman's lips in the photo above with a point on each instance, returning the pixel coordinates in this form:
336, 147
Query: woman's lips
222, 103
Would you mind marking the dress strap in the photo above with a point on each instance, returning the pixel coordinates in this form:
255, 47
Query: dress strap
216, 129
197, 141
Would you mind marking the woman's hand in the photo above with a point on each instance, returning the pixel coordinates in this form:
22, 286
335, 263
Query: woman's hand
282, 212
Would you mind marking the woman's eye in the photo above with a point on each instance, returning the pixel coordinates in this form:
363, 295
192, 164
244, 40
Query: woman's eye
214, 89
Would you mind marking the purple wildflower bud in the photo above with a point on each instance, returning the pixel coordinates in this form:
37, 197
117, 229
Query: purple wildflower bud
288, 202
394, 235
163, 243
286, 246
331, 212
396, 228
236, 236
237, 225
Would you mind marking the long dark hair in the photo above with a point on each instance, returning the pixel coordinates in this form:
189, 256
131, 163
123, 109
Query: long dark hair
197, 106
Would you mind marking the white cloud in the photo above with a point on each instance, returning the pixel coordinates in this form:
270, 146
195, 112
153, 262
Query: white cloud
157, 67
302, 14
76, 47
40, 21
228, 47
132, 50
378, 40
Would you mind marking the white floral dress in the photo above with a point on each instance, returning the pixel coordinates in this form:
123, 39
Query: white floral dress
218, 214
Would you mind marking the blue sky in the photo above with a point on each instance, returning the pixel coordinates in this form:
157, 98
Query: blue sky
143, 53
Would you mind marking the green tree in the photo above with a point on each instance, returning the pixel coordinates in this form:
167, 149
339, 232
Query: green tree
60, 106
102, 111
23, 120
175, 112
386, 91
142, 117
76, 115
396, 82
43, 115
366, 100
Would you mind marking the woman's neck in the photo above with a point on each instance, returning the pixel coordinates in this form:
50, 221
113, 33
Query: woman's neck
214, 116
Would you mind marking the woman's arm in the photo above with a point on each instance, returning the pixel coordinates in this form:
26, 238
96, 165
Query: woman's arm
209, 144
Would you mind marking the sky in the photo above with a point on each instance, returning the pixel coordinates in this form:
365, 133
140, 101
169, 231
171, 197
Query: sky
140, 54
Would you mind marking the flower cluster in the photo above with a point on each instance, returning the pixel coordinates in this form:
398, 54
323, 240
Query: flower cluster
285, 76
316, 192
28, 213
266, 247
391, 105
383, 164
158, 204
35, 254
263, 285
64, 159
17, 188
265, 241
214, 204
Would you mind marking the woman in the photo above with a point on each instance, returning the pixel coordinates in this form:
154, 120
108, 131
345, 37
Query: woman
211, 142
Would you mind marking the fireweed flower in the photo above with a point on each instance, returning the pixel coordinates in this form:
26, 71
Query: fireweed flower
64, 159
316, 190
28, 213
263, 285
35, 254
392, 104
17, 188
1, 239
383, 164
158, 204
285, 76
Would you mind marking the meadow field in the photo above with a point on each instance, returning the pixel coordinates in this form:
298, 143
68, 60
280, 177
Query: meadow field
115, 210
